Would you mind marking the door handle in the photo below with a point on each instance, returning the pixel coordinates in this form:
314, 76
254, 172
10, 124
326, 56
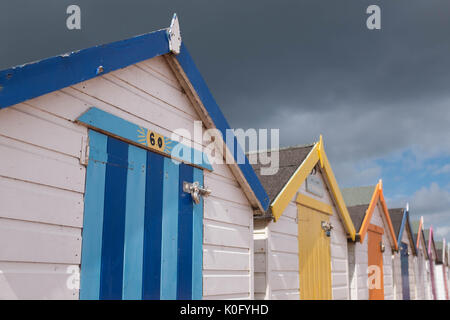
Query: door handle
196, 190
326, 226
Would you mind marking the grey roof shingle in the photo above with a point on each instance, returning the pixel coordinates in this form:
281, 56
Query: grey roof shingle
396, 219
439, 246
357, 213
289, 160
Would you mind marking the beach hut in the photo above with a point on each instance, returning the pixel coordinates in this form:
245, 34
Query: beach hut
404, 259
441, 272
432, 257
102, 177
446, 272
423, 291
447, 269
370, 255
301, 241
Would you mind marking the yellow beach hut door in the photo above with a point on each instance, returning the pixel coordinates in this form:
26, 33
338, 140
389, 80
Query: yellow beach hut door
314, 250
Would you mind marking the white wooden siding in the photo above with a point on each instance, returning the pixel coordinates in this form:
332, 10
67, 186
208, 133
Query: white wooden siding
41, 204
260, 261
282, 273
440, 286
42, 184
358, 264
412, 266
422, 271
20, 280
397, 276
428, 289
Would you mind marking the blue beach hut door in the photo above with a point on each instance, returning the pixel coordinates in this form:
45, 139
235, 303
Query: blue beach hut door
142, 234
405, 270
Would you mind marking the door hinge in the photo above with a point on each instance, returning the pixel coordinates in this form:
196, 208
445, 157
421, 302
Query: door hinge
84, 154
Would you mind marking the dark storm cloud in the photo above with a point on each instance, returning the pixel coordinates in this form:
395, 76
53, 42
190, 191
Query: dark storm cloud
307, 67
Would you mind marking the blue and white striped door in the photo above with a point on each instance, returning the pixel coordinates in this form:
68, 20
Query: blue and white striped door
142, 235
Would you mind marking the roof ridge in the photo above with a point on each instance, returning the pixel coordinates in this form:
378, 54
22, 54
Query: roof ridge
284, 148
359, 187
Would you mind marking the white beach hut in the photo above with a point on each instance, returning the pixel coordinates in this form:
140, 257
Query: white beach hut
422, 276
101, 177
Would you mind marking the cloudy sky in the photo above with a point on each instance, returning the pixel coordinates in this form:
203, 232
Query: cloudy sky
381, 98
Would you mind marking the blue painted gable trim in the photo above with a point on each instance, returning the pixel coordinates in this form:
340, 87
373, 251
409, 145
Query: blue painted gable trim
402, 226
199, 84
405, 221
31, 80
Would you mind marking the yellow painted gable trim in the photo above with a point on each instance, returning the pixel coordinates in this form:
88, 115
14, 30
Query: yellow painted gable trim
341, 206
317, 154
314, 204
286, 194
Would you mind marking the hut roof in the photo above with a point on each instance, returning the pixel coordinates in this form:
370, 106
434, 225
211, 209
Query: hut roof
361, 203
357, 213
289, 160
401, 224
397, 218
439, 251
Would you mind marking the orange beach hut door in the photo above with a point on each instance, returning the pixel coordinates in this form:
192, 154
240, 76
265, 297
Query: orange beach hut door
314, 254
375, 263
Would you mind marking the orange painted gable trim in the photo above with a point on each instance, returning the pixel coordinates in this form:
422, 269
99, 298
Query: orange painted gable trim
377, 196
369, 212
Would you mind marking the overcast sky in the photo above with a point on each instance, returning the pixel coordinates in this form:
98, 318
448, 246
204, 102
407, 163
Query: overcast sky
381, 98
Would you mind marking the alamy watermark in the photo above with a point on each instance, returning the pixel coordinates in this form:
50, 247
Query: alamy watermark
374, 277
373, 22
73, 21
217, 149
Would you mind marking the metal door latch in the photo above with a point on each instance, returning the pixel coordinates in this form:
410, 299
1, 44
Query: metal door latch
326, 226
196, 191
